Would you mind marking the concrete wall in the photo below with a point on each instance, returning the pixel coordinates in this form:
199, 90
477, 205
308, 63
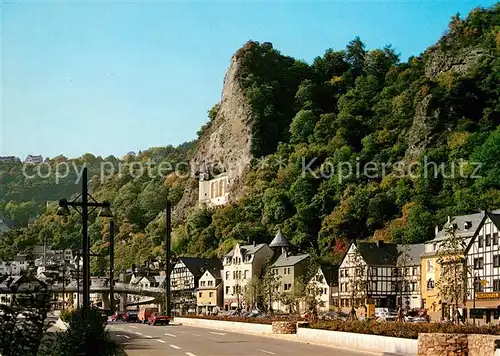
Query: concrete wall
226, 325
370, 343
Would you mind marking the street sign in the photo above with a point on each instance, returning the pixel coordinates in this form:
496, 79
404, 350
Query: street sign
488, 295
484, 282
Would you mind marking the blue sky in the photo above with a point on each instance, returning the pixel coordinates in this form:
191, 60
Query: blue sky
113, 77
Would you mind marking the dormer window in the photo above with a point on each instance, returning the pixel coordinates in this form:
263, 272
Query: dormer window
467, 225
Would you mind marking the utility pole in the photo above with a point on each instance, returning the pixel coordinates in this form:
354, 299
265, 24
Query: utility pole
167, 258
112, 265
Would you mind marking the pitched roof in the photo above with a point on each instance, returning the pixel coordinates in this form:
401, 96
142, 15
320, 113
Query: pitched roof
198, 266
247, 249
472, 219
331, 274
290, 260
410, 254
215, 272
279, 241
495, 218
5, 224
382, 253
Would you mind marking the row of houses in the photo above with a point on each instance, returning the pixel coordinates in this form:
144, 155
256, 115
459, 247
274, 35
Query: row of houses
371, 274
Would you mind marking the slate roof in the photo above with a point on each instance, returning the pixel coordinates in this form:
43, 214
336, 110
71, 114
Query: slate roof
495, 218
247, 249
215, 272
198, 266
5, 224
289, 260
384, 255
411, 253
474, 220
279, 241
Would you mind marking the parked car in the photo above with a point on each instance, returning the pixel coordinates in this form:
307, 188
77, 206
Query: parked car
130, 317
117, 316
158, 318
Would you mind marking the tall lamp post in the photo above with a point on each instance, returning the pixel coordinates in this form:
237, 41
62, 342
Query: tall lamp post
86, 201
112, 265
168, 217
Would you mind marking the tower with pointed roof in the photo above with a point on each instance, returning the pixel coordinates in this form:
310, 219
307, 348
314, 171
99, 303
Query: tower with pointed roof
280, 241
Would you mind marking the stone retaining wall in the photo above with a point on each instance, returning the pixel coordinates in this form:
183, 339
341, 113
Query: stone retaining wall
437, 344
482, 345
284, 327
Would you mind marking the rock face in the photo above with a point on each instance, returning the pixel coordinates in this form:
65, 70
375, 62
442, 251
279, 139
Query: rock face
227, 142
482, 345
225, 145
460, 63
420, 133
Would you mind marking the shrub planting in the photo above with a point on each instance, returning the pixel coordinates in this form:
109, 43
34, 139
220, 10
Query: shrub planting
86, 335
402, 330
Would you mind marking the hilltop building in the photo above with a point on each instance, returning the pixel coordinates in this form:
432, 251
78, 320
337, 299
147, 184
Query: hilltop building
33, 159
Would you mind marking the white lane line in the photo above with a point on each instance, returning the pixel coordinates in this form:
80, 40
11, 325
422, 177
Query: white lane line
196, 334
149, 337
267, 352
160, 341
125, 336
133, 327
174, 347
137, 333
215, 333
171, 335
190, 354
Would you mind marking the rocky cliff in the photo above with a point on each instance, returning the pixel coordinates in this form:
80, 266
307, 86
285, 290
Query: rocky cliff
224, 146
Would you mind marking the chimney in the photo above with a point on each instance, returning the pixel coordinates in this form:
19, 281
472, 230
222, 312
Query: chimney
449, 219
436, 230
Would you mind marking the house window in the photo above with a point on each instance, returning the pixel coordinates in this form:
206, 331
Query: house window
211, 294
496, 285
374, 286
286, 270
227, 275
246, 274
202, 283
488, 240
414, 271
287, 286
210, 283
480, 241
430, 266
342, 273
200, 294
413, 286
430, 285
346, 273
227, 290
395, 272
478, 263
394, 286
495, 238
374, 271
496, 261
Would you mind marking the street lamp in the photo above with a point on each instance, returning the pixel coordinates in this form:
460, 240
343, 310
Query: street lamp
84, 204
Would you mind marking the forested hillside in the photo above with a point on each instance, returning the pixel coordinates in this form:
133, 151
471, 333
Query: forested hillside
424, 133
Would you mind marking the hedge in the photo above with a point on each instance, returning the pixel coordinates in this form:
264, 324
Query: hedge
402, 330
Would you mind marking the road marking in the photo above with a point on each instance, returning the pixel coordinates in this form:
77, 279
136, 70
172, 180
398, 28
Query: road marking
196, 334
133, 327
149, 337
267, 352
174, 347
190, 354
215, 333
125, 336
137, 333
160, 341
172, 335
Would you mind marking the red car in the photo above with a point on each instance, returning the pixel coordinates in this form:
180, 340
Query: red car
117, 316
158, 318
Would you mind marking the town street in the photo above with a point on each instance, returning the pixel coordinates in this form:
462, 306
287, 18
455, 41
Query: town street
178, 340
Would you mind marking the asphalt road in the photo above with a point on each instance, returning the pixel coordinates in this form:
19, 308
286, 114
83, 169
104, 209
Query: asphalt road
178, 340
